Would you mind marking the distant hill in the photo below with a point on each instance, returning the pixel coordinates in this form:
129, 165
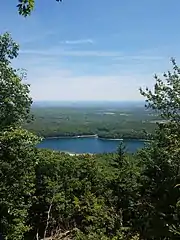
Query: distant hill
79, 104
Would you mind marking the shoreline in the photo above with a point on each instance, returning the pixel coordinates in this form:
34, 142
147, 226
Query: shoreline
76, 154
77, 136
96, 136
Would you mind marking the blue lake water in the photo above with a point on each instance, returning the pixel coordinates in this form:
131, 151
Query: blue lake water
89, 145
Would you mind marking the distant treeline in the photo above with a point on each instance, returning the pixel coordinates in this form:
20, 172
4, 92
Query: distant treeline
130, 123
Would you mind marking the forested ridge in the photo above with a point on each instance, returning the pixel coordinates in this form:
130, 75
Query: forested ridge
127, 122
47, 194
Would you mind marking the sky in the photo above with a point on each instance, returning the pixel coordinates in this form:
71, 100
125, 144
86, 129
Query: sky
99, 50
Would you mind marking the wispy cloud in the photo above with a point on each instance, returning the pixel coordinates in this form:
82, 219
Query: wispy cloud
52, 78
78, 41
114, 55
71, 53
140, 57
72, 87
64, 73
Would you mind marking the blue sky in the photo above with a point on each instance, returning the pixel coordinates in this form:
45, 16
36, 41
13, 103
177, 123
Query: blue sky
94, 50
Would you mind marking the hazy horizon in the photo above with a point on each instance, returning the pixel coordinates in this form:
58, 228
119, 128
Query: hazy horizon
88, 104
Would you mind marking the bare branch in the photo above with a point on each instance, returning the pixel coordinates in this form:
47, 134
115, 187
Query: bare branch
48, 217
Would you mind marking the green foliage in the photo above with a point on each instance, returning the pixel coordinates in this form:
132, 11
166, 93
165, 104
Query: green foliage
17, 146
161, 162
123, 122
95, 236
17, 162
75, 192
14, 95
74, 188
121, 157
166, 96
25, 7
8, 48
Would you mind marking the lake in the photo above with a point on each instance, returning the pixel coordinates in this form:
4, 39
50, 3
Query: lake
89, 145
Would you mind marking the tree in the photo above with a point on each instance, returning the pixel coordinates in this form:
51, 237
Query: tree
165, 99
124, 186
25, 7
17, 162
69, 194
17, 146
8, 48
161, 162
14, 95
121, 156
